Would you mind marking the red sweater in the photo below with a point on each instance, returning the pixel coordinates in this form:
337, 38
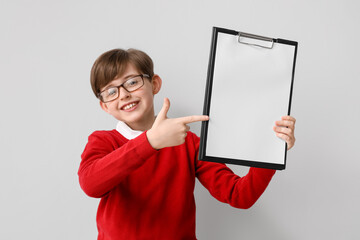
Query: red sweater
149, 194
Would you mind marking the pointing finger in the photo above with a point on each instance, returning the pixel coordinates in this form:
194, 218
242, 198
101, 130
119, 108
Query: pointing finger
194, 118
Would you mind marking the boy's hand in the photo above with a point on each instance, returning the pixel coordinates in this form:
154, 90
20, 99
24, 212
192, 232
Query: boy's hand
284, 129
168, 132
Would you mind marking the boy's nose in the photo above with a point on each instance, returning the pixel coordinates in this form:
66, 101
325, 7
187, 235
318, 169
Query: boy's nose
123, 93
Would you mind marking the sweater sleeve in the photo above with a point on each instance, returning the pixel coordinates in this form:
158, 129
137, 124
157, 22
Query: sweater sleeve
104, 166
227, 187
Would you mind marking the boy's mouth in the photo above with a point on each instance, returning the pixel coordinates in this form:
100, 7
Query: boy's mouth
129, 106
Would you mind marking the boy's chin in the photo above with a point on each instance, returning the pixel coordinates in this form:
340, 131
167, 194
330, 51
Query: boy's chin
138, 119
131, 120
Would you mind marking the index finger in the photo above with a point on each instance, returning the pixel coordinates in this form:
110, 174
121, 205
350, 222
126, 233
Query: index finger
194, 118
288, 118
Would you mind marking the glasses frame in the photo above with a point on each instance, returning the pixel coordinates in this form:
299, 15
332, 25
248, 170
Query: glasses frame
122, 85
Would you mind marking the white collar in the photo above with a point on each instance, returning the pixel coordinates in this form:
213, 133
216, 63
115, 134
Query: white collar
126, 131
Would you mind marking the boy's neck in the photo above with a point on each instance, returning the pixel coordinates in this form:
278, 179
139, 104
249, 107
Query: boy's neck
142, 126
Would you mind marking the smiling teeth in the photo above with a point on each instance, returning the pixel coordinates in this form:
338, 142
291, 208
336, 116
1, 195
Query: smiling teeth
129, 106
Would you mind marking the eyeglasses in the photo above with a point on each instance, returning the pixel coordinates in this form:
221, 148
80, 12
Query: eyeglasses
131, 85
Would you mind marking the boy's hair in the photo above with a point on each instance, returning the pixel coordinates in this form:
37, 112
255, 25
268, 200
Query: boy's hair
112, 64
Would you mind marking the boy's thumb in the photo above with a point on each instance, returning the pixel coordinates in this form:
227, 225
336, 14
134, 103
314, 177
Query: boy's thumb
164, 110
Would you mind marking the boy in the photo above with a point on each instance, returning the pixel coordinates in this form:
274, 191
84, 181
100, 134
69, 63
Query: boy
144, 170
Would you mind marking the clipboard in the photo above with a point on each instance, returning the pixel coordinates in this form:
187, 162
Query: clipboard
249, 86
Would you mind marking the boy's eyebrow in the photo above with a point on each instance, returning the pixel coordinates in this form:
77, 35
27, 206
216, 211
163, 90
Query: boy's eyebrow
130, 76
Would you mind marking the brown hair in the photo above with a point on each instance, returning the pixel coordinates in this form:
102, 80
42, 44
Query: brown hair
112, 64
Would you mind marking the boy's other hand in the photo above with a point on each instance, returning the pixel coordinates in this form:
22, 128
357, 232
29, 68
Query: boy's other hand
168, 132
284, 129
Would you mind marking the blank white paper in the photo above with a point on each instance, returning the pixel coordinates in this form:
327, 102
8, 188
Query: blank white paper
251, 90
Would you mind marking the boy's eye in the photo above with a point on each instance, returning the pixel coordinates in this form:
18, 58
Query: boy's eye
132, 82
111, 92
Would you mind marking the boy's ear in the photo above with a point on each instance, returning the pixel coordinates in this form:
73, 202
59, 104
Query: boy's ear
156, 83
104, 107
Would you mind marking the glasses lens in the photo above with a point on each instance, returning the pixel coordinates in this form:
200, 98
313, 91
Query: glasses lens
133, 83
109, 94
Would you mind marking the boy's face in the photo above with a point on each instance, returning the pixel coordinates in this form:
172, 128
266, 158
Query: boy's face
140, 115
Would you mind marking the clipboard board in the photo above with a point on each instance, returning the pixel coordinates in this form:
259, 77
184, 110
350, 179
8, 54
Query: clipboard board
249, 86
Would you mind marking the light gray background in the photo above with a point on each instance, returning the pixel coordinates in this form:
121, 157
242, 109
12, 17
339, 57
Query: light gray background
48, 110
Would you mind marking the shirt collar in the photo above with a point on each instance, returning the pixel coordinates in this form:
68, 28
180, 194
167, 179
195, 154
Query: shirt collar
126, 131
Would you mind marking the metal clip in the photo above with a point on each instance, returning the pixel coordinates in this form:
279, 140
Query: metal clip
242, 39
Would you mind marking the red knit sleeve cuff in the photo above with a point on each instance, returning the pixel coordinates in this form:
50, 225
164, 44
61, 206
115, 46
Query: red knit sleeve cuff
146, 150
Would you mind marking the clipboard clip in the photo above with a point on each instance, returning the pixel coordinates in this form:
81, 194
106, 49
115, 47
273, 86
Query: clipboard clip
255, 40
